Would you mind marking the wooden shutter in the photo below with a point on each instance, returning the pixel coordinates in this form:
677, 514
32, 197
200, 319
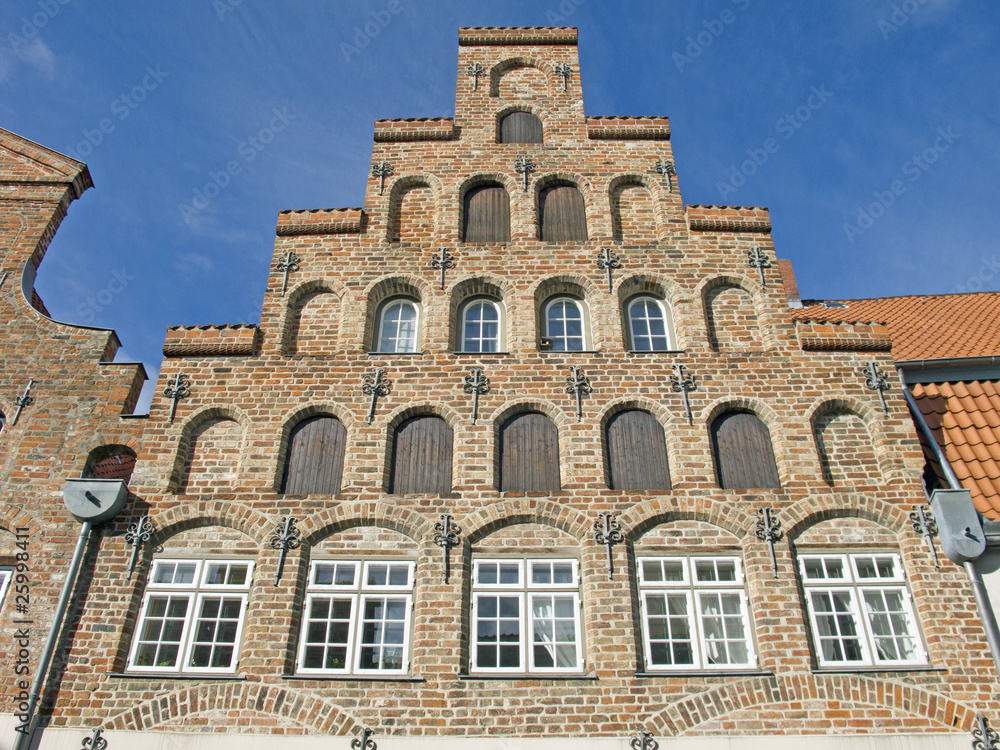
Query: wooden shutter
529, 462
637, 452
315, 461
564, 218
744, 456
487, 214
115, 466
421, 457
520, 127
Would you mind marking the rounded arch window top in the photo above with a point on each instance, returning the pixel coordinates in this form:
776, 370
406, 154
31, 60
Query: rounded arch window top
566, 324
482, 322
399, 320
650, 324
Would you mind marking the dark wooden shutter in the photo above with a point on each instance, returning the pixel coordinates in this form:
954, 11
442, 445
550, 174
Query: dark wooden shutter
564, 218
520, 127
421, 457
315, 457
529, 445
487, 214
115, 466
637, 453
744, 456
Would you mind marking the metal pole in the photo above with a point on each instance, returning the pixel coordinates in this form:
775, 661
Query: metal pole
23, 739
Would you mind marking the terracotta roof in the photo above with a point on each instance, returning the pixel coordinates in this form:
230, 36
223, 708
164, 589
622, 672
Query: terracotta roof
965, 419
923, 327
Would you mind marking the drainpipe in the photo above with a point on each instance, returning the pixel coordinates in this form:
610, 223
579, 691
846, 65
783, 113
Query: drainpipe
975, 579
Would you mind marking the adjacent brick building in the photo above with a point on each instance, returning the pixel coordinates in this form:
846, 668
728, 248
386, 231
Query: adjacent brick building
358, 408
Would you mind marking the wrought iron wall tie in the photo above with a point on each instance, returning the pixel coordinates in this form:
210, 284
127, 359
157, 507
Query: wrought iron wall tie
643, 740
923, 523
875, 380
94, 742
376, 384
381, 169
287, 264
606, 532
286, 537
983, 737
177, 390
578, 384
365, 741
475, 70
136, 536
446, 536
768, 530
523, 165
667, 169
22, 401
608, 259
443, 260
565, 70
758, 259
683, 385
476, 383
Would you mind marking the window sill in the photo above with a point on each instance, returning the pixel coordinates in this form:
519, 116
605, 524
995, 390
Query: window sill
177, 676
641, 353
395, 354
523, 676
882, 670
352, 678
709, 673
568, 354
481, 354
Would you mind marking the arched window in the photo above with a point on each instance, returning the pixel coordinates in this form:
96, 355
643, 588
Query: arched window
486, 214
110, 462
650, 325
637, 452
566, 325
520, 127
397, 326
315, 461
482, 326
529, 454
421, 457
563, 216
744, 457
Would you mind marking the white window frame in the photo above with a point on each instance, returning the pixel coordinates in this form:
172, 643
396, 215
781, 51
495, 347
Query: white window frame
690, 587
668, 323
853, 583
196, 593
6, 576
499, 341
358, 593
383, 309
526, 592
584, 323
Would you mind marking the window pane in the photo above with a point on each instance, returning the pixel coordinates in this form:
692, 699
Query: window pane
648, 326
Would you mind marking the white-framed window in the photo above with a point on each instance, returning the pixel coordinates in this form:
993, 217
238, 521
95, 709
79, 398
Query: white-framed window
5, 576
482, 326
860, 610
526, 616
566, 324
650, 325
694, 613
357, 618
398, 323
192, 616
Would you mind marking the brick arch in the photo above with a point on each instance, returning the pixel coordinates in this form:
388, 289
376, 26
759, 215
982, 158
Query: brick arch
766, 415
659, 413
404, 183
468, 287
865, 412
198, 419
424, 408
531, 108
512, 511
707, 287
622, 181
573, 285
12, 518
387, 515
805, 513
291, 419
295, 304
394, 286
643, 516
514, 199
100, 439
512, 408
654, 285
290, 704
228, 513
513, 63
591, 197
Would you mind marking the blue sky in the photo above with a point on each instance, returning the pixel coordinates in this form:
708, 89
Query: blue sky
817, 110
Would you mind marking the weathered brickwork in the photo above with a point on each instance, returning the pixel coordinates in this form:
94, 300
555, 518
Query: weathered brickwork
209, 479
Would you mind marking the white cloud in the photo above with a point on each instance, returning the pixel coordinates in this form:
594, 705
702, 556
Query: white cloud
34, 53
193, 263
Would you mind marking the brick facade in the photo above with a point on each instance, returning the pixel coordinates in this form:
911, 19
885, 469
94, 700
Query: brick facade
210, 479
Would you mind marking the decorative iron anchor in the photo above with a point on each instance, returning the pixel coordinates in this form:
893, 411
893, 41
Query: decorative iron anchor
523, 165
768, 530
289, 263
682, 385
376, 384
94, 742
365, 741
757, 258
476, 383
606, 532
136, 536
984, 737
475, 70
23, 400
565, 70
667, 169
643, 740
608, 259
446, 537
923, 523
875, 380
286, 537
578, 384
179, 389
443, 260
381, 169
